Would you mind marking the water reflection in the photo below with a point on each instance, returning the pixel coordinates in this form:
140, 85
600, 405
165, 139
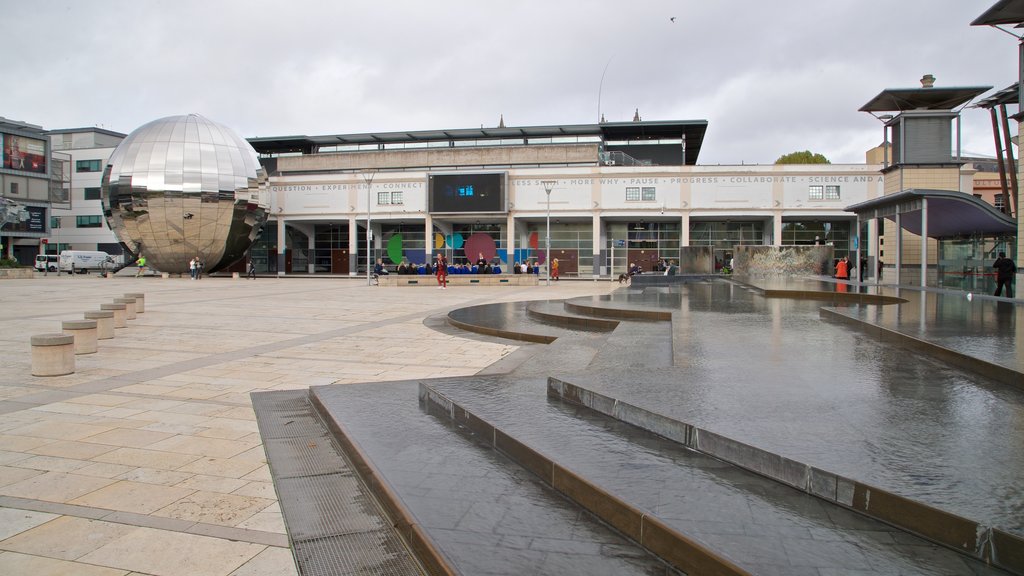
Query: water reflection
771, 373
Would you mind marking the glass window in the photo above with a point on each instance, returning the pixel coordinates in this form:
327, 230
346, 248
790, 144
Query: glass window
832, 192
88, 165
649, 194
396, 198
632, 194
14, 188
383, 197
92, 193
816, 193
88, 222
54, 222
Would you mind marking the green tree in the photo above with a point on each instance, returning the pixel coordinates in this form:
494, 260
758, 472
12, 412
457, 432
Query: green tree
805, 157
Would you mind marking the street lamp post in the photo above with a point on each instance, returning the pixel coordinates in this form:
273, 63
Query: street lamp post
548, 185
368, 177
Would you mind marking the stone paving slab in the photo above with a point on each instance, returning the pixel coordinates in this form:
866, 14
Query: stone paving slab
179, 376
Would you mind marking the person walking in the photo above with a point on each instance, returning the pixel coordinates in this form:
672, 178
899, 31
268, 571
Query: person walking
441, 266
192, 267
141, 262
252, 270
554, 269
1005, 269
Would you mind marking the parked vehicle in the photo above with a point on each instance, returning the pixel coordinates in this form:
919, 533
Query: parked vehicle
47, 262
84, 261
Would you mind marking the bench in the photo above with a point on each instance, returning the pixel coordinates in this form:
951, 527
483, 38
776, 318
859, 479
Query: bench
84, 332
460, 280
53, 354
104, 323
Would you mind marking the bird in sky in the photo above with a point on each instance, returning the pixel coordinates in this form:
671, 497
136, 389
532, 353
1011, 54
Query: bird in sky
673, 19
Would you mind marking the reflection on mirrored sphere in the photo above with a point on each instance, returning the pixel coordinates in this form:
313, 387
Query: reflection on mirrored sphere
181, 187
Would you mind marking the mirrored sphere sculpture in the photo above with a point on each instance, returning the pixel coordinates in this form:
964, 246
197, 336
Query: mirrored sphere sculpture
181, 187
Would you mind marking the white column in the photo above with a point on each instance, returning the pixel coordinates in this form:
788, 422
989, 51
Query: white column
353, 244
777, 228
310, 247
924, 242
280, 246
684, 229
598, 249
510, 241
899, 244
428, 233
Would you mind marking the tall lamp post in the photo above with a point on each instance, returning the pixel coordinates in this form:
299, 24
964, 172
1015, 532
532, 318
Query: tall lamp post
548, 185
368, 177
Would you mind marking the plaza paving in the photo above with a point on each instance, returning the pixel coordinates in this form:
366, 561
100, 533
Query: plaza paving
148, 460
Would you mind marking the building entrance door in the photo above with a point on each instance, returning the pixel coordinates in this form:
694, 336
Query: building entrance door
339, 261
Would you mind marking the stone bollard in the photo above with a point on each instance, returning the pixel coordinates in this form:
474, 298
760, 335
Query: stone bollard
234, 276
104, 323
140, 301
129, 307
165, 275
53, 354
120, 316
84, 332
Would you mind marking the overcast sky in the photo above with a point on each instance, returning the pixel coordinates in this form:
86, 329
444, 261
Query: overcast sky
769, 77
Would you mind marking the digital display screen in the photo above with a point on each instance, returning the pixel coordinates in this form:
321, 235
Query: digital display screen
467, 192
21, 153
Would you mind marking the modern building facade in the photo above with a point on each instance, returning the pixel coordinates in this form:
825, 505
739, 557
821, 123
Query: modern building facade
620, 193
30, 182
79, 223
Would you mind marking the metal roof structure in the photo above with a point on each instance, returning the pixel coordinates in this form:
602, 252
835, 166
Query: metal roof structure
690, 131
1002, 12
1008, 95
905, 99
951, 214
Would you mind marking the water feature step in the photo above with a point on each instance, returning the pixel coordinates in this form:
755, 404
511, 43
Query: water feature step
761, 525
505, 320
960, 534
554, 312
483, 513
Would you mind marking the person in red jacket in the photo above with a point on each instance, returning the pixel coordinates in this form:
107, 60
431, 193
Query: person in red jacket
843, 269
442, 271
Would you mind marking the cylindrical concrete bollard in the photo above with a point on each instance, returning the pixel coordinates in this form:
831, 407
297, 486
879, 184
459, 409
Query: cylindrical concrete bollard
84, 332
140, 301
53, 354
129, 306
120, 316
104, 323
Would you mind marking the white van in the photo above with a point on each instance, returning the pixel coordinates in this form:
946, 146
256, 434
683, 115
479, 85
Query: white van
47, 262
83, 261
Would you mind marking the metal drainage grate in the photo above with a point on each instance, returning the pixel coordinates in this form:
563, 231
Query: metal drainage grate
334, 524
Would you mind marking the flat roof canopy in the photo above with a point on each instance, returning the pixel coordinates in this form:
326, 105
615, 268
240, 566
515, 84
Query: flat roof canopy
1008, 95
903, 99
690, 131
950, 214
1002, 12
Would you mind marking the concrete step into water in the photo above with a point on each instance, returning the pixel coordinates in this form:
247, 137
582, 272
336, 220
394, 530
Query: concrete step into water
771, 373
761, 525
485, 514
